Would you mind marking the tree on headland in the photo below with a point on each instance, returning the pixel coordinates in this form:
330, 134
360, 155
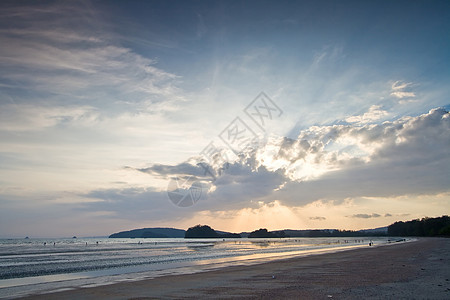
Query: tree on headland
439, 226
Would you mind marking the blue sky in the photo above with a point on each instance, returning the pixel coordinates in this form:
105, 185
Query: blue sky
103, 102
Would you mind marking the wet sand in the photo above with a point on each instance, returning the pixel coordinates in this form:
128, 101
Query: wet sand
413, 270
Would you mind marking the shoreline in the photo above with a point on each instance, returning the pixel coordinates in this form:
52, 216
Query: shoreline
405, 270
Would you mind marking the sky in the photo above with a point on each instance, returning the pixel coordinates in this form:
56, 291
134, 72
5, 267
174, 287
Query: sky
117, 115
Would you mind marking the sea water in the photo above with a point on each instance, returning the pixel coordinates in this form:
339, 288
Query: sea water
29, 266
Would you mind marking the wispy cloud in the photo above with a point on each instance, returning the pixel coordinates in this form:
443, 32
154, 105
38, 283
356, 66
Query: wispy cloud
402, 95
365, 216
398, 90
375, 113
328, 54
29, 117
76, 62
400, 85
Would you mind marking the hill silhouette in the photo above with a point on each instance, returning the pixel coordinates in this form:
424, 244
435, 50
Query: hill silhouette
204, 231
426, 227
150, 233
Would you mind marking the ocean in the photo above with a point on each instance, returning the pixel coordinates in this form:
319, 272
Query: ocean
29, 266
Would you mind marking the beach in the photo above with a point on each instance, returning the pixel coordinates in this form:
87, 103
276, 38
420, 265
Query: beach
412, 270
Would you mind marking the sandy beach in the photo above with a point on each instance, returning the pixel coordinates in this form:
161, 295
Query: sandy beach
413, 270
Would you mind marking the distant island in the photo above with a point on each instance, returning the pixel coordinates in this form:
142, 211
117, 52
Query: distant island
204, 231
439, 226
263, 233
150, 233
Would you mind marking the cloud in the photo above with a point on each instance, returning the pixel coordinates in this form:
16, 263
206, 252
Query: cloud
403, 157
399, 85
387, 215
181, 170
54, 50
332, 163
375, 113
340, 147
132, 203
318, 218
29, 117
398, 90
238, 184
402, 95
328, 54
69, 84
365, 216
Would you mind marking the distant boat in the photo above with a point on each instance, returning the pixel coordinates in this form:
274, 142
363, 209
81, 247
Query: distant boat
26, 238
74, 237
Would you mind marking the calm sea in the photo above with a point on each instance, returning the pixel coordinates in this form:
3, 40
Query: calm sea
44, 265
